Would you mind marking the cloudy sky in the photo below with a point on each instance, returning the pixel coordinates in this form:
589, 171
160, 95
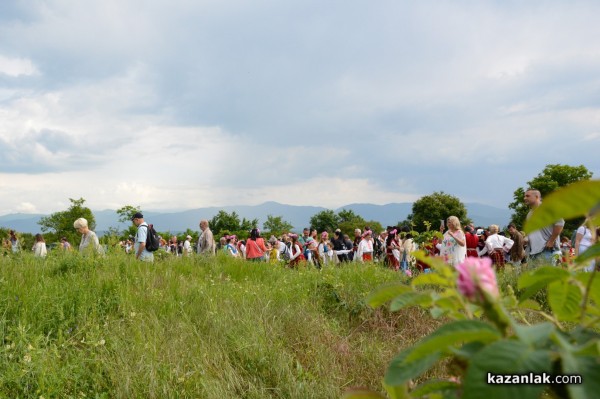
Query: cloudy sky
184, 104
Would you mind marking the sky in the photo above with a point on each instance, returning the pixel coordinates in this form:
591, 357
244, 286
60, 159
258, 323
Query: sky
184, 104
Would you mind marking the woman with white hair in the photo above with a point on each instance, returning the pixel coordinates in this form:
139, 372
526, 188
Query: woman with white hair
89, 239
453, 247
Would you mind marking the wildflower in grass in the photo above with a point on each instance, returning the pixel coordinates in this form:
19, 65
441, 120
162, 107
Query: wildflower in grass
27, 358
476, 280
408, 272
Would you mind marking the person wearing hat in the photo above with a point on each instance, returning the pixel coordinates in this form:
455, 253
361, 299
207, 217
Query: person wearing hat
139, 245
187, 246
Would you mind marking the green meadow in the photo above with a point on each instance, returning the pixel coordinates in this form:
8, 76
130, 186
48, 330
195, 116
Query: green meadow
112, 327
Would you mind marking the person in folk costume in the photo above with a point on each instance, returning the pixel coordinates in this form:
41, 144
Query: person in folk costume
407, 248
297, 255
364, 250
325, 248
472, 240
392, 246
497, 246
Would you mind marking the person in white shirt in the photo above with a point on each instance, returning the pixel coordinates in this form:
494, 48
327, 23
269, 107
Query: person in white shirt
584, 240
542, 244
325, 248
497, 246
364, 251
187, 246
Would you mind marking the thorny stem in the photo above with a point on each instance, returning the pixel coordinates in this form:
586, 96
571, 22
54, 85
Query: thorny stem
547, 317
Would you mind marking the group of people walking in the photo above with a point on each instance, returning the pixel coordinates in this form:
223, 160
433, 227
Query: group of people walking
311, 247
543, 246
393, 247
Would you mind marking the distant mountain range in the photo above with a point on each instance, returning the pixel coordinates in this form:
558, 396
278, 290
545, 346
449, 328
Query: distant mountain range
297, 216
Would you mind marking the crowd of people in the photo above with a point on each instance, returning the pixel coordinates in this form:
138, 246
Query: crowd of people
393, 247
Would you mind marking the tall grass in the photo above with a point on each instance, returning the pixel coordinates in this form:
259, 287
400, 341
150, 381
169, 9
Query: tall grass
193, 327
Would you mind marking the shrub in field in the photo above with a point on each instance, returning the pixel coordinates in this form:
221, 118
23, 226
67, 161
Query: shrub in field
490, 337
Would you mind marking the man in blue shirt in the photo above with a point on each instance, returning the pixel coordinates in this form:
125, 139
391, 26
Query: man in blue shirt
139, 246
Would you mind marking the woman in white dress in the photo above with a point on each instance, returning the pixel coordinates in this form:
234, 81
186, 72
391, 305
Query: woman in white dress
453, 247
39, 248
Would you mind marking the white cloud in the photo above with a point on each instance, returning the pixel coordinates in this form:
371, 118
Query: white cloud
16, 67
26, 207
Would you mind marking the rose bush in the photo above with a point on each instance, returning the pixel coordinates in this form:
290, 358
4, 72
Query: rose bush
491, 331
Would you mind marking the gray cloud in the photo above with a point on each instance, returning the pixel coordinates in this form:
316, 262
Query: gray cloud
411, 98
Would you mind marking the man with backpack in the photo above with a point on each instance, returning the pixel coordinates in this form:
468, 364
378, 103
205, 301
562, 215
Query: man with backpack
141, 238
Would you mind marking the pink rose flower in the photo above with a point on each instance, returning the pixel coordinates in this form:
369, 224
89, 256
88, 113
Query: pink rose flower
476, 276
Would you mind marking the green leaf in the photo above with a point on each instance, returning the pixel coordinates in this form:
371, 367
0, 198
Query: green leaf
529, 304
536, 335
449, 303
502, 358
588, 367
594, 288
510, 301
410, 299
436, 312
433, 262
432, 279
581, 337
400, 369
397, 392
453, 333
359, 393
592, 348
535, 280
565, 300
572, 201
467, 351
432, 386
589, 254
386, 293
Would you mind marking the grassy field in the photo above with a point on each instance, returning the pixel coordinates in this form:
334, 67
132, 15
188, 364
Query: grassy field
198, 328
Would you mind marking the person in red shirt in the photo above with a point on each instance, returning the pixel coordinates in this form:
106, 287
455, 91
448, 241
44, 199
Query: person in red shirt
472, 240
255, 247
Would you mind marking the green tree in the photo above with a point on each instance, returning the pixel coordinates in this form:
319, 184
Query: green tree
125, 214
276, 225
60, 224
552, 177
350, 221
326, 220
435, 207
247, 224
225, 223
